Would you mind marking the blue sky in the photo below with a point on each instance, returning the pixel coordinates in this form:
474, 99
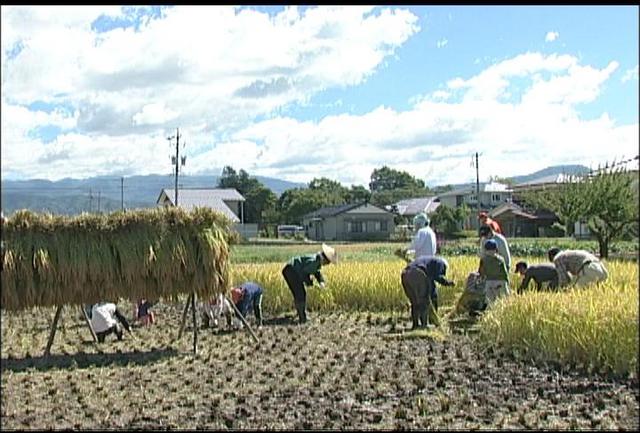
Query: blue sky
299, 93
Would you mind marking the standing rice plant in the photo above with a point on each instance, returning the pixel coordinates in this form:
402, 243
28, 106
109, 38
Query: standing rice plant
595, 326
356, 286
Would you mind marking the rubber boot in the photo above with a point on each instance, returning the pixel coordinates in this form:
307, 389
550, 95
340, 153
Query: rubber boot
302, 314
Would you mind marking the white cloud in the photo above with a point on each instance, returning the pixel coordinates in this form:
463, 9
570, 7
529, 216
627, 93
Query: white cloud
222, 68
630, 74
551, 36
152, 114
441, 42
129, 89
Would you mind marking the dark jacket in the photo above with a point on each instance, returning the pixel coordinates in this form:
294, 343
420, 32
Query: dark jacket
434, 267
308, 265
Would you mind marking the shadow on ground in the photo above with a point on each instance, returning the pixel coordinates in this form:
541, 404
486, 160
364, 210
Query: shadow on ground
85, 360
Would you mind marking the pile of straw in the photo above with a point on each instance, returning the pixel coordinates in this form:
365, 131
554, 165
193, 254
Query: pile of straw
52, 260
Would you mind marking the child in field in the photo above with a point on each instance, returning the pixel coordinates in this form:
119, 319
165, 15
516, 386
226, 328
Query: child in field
143, 313
494, 270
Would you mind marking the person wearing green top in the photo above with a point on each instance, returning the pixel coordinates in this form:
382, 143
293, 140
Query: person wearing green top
494, 270
298, 271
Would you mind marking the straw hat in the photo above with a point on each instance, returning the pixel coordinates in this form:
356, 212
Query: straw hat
330, 253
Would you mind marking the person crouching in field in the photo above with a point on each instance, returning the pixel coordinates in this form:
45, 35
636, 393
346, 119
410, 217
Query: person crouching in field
418, 281
248, 296
578, 265
493, 269
297, 273
216, 309
143, 313
106, 319
540, 273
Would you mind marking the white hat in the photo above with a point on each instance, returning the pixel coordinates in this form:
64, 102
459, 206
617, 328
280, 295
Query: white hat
330, 253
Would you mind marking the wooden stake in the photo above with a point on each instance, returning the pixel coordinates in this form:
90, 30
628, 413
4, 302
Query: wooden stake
86, 318
195, 323
54, 327
184, 316
244, 321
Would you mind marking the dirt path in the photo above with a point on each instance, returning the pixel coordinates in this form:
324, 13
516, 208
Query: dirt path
349, 371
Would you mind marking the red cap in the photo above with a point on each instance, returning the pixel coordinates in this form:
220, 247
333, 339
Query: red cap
236, 294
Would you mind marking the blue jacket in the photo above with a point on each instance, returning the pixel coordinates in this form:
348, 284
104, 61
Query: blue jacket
252, 291
434, 267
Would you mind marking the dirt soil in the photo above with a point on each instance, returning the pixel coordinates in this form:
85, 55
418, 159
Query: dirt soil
340, 371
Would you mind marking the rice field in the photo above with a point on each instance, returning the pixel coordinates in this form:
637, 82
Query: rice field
564, 360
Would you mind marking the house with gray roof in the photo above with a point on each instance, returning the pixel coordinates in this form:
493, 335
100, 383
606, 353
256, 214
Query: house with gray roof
350, 222
492, 194
228, 201
411, 207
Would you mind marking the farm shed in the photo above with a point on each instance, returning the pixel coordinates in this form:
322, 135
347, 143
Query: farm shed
350, 222
52, 260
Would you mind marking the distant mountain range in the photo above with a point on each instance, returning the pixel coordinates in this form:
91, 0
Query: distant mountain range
73, 196
556, 169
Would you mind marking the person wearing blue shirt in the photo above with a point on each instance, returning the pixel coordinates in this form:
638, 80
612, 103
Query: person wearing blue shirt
247, 296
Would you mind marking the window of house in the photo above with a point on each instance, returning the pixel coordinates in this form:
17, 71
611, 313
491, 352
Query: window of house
383, 226
356, 227
376, 226
495, 197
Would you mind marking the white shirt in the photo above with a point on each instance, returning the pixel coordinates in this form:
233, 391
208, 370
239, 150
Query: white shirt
424, 242
103, 316
219, 308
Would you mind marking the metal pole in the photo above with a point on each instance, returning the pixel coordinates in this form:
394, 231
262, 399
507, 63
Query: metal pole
477, 183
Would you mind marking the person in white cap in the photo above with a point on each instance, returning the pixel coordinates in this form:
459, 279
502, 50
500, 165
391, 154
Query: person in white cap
298, 271
424, 241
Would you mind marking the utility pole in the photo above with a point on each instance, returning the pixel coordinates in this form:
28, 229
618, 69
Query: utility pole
477, 183
90, 201
177, 161
122, 193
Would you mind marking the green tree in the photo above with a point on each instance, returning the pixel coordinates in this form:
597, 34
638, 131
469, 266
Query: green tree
296, 202
606, 200
566, 199
358, 194
260, 200
449, 220
612, 207
385, 179
389, 186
